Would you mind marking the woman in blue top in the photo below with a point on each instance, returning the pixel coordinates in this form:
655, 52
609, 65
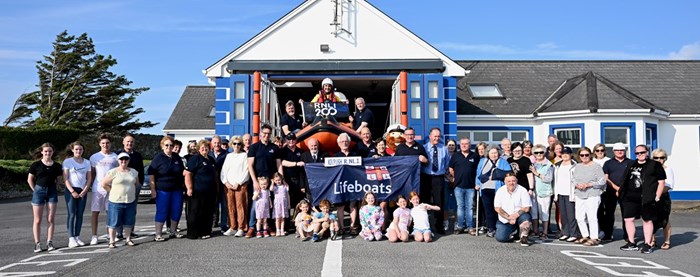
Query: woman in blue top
487, 185
166, 181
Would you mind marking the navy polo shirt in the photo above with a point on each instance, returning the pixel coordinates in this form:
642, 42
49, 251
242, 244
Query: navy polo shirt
204, 172
292, 123
291, 156
167, 172
616, 170
366, 151
363, 116
414, 150
342, 155
266, 156
465, 169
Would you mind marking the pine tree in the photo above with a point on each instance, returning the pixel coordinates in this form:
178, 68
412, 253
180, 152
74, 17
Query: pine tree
76, 89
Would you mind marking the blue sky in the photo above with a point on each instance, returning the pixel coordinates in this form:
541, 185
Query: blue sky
165, 45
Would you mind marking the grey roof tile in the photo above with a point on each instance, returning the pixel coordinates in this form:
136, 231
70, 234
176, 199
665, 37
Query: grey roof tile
192, 111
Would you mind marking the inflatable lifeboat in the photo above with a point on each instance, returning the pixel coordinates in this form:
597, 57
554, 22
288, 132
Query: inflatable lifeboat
325, 126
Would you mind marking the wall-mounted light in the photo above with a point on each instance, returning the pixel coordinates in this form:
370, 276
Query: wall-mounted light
325, 48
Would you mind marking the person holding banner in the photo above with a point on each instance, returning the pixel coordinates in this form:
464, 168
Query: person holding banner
433, 176
344, 144
411, 147
314, 155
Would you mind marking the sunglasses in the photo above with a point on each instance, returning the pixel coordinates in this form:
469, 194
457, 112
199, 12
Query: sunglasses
584, 155
236, 143
659, 158
538, 153
640, 153
600, 150
168, 145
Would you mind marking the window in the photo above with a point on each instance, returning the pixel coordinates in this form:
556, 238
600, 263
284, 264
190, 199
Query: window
239, 90
612, 135
651, 136
433, 110
433, 90
415, 110
212, 112
493, 136
485, 91
570, 138
238, 111
415, 90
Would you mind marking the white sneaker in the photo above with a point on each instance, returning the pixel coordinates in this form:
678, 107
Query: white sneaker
49, 246
79, 242
93, 240
446, 225
239, 233
229, 232
72, 243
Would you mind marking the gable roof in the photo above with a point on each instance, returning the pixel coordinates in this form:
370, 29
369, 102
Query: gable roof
192, 111
368, 34
531, 86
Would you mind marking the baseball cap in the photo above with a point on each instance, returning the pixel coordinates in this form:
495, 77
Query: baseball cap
567, 150
619, 146
224, 141
123, 155
291, 136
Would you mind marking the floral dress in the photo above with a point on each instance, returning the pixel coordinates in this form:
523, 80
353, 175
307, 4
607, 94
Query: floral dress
262, 205
281, 209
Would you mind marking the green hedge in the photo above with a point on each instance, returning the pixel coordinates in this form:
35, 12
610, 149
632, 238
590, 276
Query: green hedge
18, 143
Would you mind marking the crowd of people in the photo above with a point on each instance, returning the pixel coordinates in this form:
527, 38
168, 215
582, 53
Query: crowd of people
244, 188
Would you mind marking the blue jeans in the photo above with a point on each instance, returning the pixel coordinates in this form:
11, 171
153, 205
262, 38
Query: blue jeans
465, 210
503, 230
76, 208
223, 209
121, 214
252, 220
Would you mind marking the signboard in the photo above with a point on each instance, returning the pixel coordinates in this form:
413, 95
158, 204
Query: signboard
339, 110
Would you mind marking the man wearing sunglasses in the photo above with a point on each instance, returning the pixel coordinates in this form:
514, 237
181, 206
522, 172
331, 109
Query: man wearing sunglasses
614, 170
642, 188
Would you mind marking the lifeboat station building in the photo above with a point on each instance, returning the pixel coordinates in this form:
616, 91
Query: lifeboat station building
404, 80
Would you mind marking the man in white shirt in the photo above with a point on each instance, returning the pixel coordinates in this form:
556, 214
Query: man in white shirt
512, 203
101, 162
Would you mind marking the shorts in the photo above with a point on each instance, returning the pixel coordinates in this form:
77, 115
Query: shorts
421, 231
544, 204
99, 201
121, 215
637, 210
42, 195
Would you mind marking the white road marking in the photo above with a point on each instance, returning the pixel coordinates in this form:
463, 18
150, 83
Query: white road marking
333, 260
567, 244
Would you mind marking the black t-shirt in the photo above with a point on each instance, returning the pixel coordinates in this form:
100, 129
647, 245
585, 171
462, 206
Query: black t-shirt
45, 175
364, 116
291, 156
204, 172
366, 151
414, 150
465, 169
342, 155
292, 123
616, 170
521, 167
642, 181
266, 156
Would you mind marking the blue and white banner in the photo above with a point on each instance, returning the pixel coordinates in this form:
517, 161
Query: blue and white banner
386, 177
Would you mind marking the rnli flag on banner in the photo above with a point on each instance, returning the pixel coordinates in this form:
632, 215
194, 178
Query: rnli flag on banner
386, 177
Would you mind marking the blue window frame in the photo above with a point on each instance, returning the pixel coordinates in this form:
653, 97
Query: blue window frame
651, 135
614, 132
232, 105
571, 135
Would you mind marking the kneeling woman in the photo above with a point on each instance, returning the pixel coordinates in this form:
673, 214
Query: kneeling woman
200, 180
121, 184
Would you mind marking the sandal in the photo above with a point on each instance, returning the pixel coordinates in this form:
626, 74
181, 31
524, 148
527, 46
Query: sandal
112, 244
178, 235
591, 242
581, 241
130, 243
666, 245
543, 236
159, 238
353, 231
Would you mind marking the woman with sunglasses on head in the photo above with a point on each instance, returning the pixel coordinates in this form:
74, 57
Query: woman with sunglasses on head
543, 171
588, 179
664, 209
600, 156
166, 179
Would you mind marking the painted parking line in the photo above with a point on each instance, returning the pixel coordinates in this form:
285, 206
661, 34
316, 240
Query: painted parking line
623, 266
567, 244
333, 260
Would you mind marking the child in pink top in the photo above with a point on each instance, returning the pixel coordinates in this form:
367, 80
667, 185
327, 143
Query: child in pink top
398, 229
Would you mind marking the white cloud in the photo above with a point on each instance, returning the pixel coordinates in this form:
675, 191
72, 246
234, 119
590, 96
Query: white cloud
687, 52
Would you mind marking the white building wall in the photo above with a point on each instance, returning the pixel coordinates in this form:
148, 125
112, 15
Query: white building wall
681, 139
187, 135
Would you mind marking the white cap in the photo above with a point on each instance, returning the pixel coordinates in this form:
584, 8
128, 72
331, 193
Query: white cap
122, 155
327, 81
619, 146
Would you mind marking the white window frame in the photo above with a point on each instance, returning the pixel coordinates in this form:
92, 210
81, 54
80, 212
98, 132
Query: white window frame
496, 141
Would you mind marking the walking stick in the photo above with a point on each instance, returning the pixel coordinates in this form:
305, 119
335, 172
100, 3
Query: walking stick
477, 212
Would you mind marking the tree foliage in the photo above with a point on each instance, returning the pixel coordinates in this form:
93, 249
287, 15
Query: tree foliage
77, 90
